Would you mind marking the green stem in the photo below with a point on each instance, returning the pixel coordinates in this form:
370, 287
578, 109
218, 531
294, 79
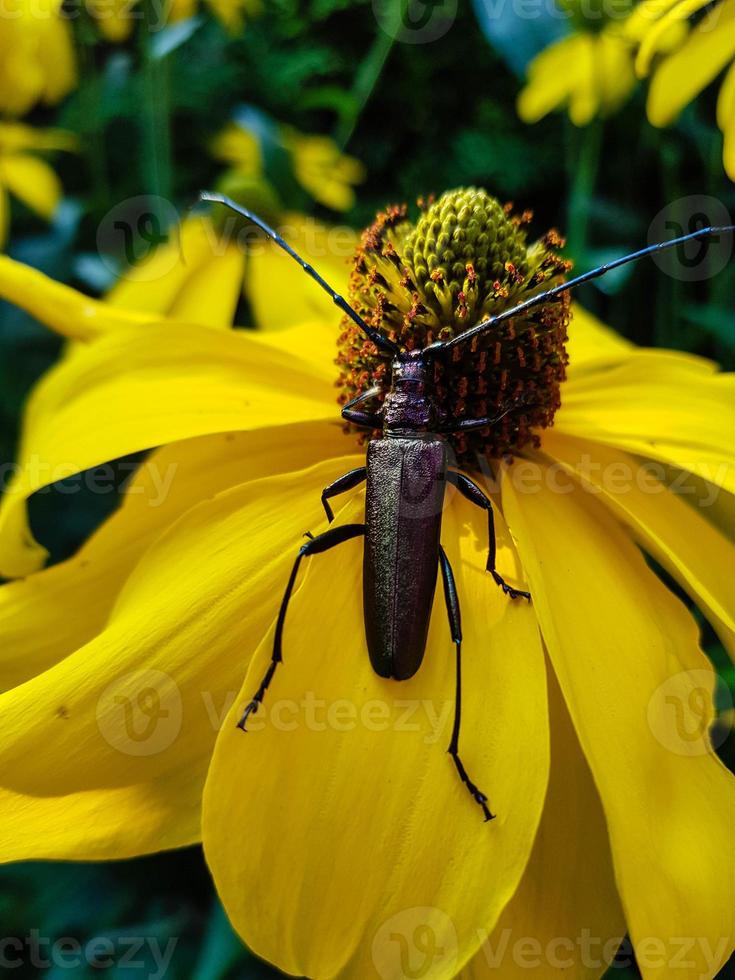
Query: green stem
365, 81
94, 137
584, 168
670, 292
156, 124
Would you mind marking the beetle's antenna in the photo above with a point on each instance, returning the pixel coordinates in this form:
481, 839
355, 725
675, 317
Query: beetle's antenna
577, 281
381, 342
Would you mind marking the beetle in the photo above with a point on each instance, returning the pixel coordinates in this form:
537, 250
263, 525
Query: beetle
406, 474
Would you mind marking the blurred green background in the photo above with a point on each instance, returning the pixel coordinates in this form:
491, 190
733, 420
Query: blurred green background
421, 116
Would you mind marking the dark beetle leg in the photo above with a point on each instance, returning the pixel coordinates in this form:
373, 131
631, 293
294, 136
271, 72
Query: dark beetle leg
371, 420
368, 420
455, 625
466, 424
473, 493
314, 546
342, 485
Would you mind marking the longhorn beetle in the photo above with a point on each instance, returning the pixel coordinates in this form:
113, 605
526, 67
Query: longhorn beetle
407, 466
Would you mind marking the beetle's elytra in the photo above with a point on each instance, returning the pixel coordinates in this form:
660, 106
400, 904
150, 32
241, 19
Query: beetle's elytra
406, 475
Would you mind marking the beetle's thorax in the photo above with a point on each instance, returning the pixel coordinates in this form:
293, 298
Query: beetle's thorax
408, 405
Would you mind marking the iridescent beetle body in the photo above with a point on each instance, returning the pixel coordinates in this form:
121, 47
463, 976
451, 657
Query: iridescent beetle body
406, 476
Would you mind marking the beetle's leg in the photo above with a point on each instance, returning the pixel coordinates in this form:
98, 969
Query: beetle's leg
455, 625
366, 419
371, 420
473, 493
314, 546
347, 482
463, 425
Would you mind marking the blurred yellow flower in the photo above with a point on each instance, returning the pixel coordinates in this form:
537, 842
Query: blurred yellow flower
115, 19
588, 74
37, 61
329, 834
231, 13
680, 76
328, 175
25, 175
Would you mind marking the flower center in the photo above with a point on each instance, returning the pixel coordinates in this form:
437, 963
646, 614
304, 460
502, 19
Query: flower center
465, 259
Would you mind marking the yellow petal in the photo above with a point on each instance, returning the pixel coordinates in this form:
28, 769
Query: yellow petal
229, 13
592, 343
650, 45
98, 824
32, 181
551, 78
663, 405
171, 277
4, 220
726, 120
726, 100
49, 615
15, 136
211, 293
130, 391
645, 14
585, 98
139, 705
280, 292
56, 50
615, 64
114, 18
678, 535
315, 342
239, 147
568, 889
337, 829
60, 307
639, 692
686, 72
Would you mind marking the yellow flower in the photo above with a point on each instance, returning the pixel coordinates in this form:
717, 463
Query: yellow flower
683, 74
231, 13
589, 74
36, 55
25, 175
339, 837
328, 175
115, 18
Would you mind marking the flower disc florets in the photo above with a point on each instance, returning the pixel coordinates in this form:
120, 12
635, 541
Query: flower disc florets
465, 259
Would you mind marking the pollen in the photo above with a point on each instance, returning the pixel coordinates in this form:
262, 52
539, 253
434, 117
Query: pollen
464, 259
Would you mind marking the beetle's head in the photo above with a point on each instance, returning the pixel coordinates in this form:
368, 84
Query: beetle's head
408, 405
410, 371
